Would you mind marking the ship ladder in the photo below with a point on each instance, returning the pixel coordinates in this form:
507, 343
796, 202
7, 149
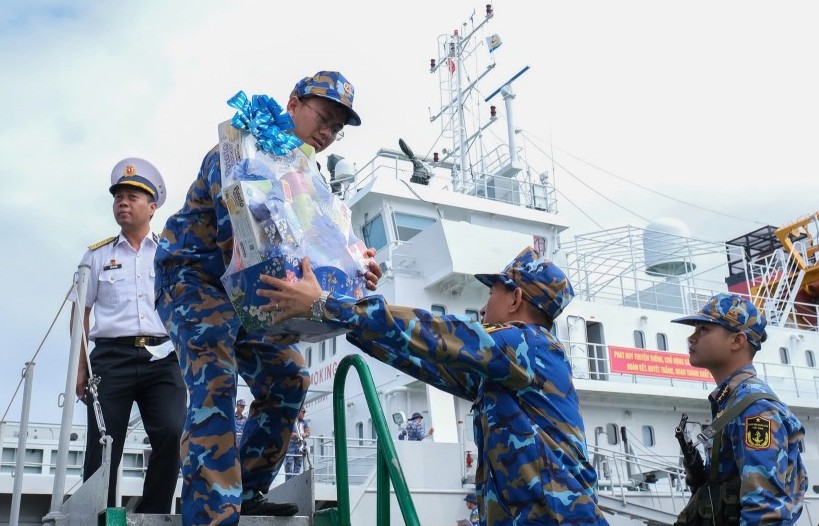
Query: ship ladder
388, 468
780, 286
798, 274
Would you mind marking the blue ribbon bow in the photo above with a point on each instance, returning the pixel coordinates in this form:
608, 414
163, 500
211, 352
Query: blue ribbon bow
266, 121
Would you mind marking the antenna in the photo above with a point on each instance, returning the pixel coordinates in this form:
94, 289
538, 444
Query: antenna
508, 96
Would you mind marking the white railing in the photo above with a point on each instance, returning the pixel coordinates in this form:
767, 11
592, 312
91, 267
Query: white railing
591, 361
519, 190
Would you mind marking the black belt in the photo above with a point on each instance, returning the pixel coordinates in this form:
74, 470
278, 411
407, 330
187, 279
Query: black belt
133, 341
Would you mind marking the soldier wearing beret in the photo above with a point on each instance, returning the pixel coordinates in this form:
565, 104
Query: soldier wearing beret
222, 478
755, 473
533, 465
132, 355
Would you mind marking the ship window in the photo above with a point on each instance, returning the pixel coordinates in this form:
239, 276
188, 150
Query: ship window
374, 234
73, 463
32, 460
472, 314
648, 436
309, 354
438, 310
639, 339
372, 428
408, 226
359, 431
132, 464
784, 357
333, 348
810, 359
662, 341
7, 463
611, 434
322, 352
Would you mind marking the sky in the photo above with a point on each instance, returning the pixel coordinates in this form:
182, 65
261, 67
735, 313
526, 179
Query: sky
713, 104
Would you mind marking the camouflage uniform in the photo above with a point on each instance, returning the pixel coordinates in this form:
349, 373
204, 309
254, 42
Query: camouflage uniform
415, 430
759, 449
764, 440
533, 467
193, 252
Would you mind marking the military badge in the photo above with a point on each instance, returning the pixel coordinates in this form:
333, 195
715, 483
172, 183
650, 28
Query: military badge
130, 171
757, 432
113, 266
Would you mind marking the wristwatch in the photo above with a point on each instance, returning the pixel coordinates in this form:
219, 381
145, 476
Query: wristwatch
317, 308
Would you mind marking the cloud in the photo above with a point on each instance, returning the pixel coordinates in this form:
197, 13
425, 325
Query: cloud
712, 103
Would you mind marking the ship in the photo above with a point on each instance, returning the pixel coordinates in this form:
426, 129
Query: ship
469, 206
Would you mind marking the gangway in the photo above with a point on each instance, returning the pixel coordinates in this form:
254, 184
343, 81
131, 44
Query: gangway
81, 508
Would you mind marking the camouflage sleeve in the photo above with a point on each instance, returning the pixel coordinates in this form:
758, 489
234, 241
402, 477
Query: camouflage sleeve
765, 448
450, 349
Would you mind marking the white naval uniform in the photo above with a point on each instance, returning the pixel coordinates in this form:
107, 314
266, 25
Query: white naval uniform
121, 292
121, 289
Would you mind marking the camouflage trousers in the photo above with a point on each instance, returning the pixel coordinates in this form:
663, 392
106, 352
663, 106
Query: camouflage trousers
213, 347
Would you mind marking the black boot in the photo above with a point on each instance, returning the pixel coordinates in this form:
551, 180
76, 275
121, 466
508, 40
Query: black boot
258, 505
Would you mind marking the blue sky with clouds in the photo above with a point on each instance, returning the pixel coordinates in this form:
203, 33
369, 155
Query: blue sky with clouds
712, 102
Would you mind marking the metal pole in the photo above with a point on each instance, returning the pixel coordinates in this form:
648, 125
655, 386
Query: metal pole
77, 333
28, 374
508, 97
459, 114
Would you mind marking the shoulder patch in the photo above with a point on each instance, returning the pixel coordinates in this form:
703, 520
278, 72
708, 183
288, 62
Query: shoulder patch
496, 327
102, 243
757, 432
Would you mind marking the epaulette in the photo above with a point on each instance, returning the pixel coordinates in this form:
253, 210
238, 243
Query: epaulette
102, 243
496, 327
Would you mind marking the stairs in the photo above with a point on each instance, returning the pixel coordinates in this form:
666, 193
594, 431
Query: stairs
137, 519
299, 490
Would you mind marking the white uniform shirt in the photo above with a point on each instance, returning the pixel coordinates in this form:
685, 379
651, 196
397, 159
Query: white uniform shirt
121, 289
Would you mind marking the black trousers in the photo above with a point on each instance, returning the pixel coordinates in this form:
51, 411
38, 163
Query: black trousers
127, 376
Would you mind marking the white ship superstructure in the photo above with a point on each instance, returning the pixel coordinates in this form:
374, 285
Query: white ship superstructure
470, 207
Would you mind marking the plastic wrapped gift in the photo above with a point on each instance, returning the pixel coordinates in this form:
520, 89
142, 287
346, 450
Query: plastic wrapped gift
281, 210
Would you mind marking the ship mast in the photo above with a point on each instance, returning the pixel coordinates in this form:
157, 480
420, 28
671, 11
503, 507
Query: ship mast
450, 67
455, 92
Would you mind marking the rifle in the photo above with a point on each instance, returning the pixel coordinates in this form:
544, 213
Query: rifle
692, 461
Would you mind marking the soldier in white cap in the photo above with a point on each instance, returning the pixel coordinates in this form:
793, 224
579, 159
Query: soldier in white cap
132, 355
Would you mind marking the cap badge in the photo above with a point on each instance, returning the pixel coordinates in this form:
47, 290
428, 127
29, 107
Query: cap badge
130, 171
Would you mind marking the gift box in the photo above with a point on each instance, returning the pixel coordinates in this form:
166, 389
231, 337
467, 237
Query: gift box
281, 210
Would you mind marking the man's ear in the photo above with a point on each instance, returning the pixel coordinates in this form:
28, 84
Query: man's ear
517, 303
291, 103
739, 340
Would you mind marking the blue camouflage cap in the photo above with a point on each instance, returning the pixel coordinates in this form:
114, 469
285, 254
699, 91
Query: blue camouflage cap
330, 85
543, 284
471, 497
735, 314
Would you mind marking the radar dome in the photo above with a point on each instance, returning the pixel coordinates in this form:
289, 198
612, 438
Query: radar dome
666, 248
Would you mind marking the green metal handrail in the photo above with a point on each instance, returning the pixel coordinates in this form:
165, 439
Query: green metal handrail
387, 465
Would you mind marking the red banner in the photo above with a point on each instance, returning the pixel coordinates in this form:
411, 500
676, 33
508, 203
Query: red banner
662, 364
